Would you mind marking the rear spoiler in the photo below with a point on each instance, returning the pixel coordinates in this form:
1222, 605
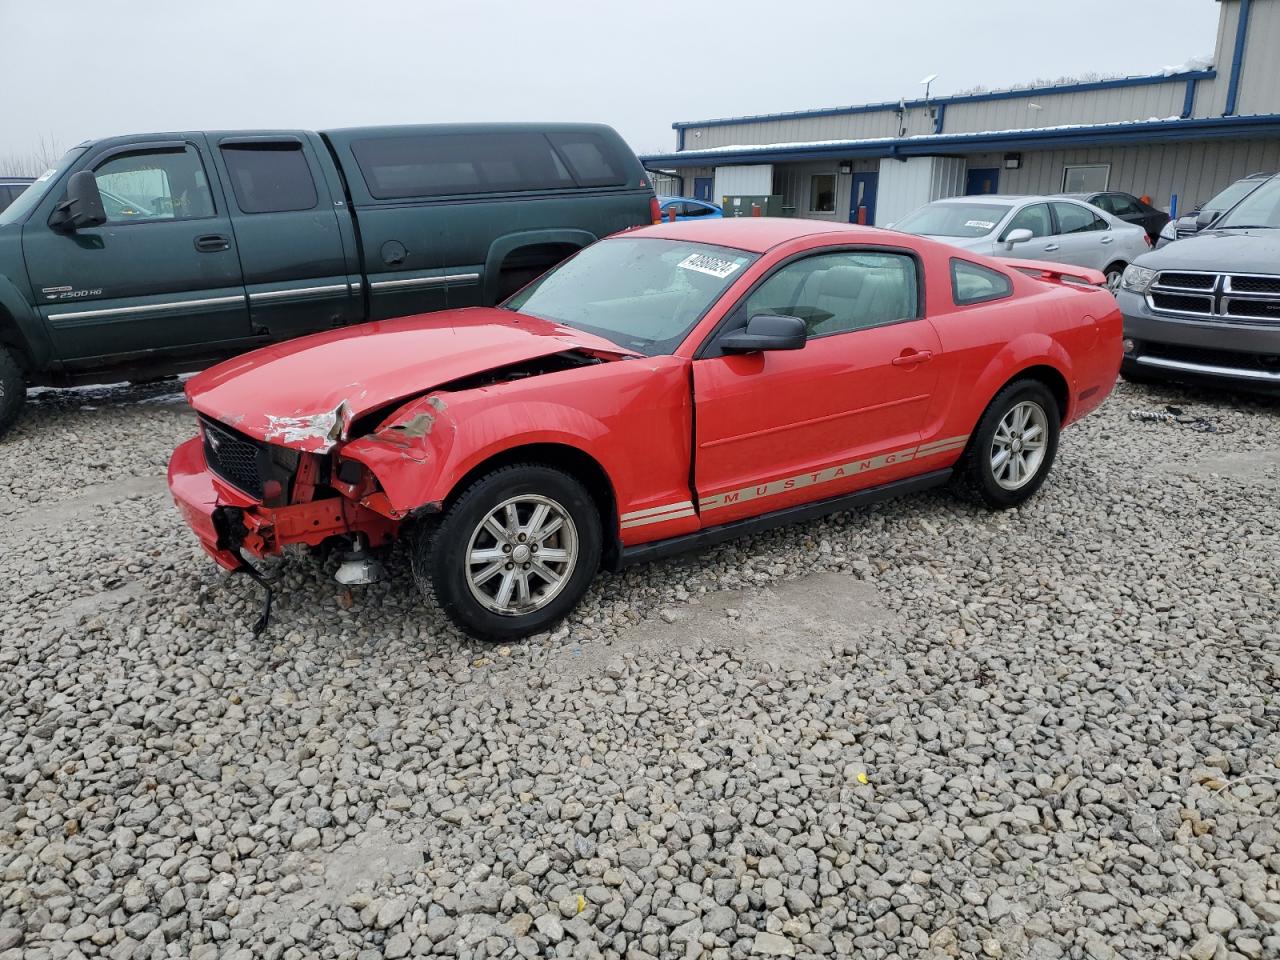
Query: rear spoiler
1057, 272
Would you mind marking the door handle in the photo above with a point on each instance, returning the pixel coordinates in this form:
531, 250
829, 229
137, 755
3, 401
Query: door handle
1107, 239
212, 243
911, 359
1049, 248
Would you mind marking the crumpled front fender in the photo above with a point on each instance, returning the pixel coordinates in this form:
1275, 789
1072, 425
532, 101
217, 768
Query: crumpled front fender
421, 454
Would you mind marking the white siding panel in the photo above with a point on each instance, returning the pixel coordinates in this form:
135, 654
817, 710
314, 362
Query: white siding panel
903, 186
1260, 78
743, 181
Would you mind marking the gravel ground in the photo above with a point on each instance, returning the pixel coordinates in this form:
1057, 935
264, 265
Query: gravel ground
918, 730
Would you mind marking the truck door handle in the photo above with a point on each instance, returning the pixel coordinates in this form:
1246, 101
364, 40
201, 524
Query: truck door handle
1051, 247
911, 359
212, 243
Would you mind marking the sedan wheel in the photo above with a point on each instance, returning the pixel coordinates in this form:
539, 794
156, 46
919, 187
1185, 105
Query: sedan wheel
513, 554
1115, 274
521, 555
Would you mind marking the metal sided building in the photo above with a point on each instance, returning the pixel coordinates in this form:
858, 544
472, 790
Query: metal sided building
1185, 133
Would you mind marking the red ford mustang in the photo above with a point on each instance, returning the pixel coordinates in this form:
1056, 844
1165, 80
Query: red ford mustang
667, 387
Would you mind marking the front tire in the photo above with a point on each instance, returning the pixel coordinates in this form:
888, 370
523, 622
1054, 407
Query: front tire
1013, 447
513, 554
13, 390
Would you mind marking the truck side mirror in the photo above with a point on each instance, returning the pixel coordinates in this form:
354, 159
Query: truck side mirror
83, 206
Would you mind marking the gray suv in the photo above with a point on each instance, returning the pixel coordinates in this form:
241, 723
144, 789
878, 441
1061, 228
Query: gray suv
1208, 308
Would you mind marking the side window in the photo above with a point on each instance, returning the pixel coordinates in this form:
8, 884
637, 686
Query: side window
1034, 218
971, 283
840, 292
1073, 218
1107, 202
8, 195
822, 193
589, 158
270, 178
696, 210
1123, 206
441, 164
154, 185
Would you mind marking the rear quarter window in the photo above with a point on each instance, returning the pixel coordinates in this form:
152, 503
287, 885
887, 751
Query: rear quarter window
972, 283
270, 178
444, 164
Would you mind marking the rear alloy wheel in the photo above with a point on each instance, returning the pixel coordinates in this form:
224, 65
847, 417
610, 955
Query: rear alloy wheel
1014, 446
13, 390
1114, 274
514, 553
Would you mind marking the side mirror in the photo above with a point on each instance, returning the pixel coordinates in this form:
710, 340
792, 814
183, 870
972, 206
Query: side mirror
766, 332
1205, 218
83, 206
1021, 235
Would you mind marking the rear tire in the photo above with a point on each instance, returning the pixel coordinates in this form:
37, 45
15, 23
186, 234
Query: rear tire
1013, 446
13, 390
513, 554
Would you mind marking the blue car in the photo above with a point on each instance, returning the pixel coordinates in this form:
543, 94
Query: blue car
687, 209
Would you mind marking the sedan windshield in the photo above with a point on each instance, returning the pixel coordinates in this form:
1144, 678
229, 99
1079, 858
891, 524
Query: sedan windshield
1259, 209
953, 219
642, 293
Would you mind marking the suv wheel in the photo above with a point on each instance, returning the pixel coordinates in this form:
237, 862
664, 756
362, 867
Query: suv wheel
13, 390
513, 554
1013, 447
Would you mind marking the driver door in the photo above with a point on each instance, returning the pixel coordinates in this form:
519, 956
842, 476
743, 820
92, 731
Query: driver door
162, 274
778, 428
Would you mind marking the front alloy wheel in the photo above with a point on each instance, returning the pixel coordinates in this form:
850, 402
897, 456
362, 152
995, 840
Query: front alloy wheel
513, 553
521, 555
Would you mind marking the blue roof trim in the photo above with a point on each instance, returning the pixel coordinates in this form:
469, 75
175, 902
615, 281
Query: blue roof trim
965, 98
1188, 105
1237, 59
1101, 135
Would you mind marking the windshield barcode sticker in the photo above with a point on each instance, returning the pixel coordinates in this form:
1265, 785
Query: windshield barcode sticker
980, 224
714, 266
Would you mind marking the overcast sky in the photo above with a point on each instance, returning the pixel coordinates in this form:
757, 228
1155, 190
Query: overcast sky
77, 69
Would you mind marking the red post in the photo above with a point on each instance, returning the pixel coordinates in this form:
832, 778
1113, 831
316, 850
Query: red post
755, 210
862, 216
671, 213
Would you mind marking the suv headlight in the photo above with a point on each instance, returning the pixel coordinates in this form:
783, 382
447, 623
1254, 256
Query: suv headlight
1137, 278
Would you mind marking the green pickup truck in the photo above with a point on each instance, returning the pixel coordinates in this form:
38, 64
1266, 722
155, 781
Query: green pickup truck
142, 256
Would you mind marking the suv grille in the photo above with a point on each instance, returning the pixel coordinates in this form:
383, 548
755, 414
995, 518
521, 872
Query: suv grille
1231, 298
233, 457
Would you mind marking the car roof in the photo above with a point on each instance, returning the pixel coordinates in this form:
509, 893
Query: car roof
666, 199
753, 234
17, 179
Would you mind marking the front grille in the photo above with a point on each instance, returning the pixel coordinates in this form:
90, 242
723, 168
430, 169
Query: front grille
1254, 309
1187, 281
1238, 284
1238, 298
233, 457
1181, 303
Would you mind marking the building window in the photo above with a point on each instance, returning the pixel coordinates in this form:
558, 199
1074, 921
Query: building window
822, 193
1085, 177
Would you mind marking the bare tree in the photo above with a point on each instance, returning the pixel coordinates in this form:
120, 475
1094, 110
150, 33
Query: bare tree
33, 163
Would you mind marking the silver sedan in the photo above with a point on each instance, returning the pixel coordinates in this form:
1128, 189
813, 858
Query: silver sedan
1032, 228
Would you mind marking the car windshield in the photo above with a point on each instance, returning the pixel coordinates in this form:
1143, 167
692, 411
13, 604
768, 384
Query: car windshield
642, 293
29, 198
1259, 209
1232, 195
953, 219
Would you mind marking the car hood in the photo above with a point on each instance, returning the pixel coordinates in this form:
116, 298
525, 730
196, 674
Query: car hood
306, 393
1246, 251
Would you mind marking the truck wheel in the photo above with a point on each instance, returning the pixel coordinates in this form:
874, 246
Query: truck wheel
13, 390
513, 554
1013, 447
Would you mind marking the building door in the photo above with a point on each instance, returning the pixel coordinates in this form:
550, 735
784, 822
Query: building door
863, 195
982, 180
702, 187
